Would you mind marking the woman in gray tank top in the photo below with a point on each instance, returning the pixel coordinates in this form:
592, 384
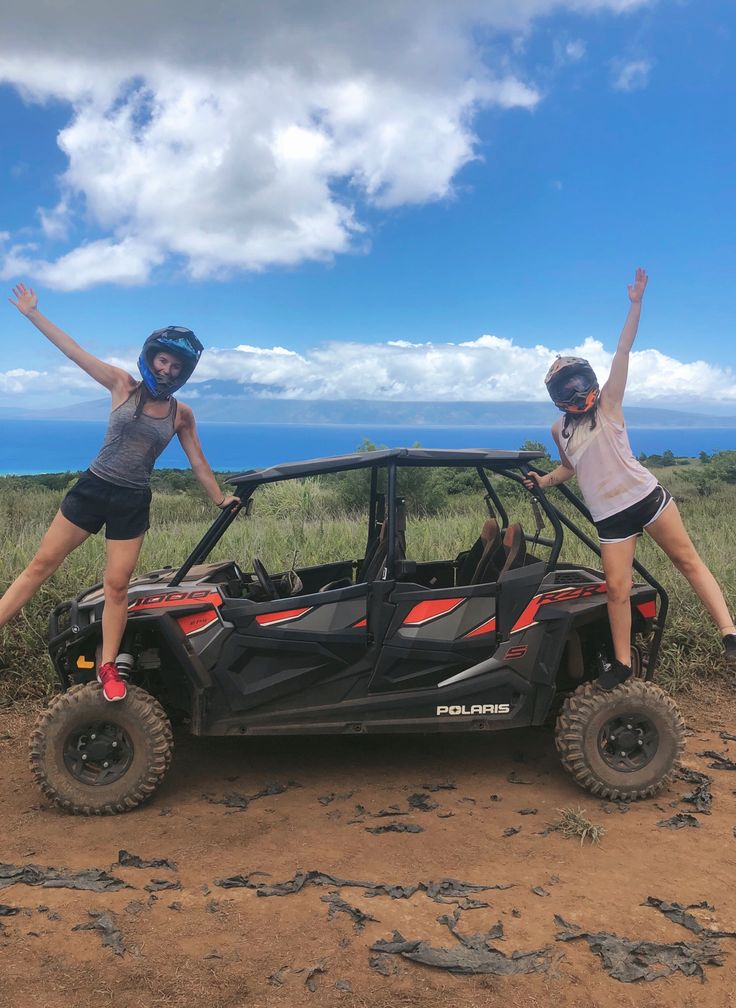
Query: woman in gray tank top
623, 497
115, 490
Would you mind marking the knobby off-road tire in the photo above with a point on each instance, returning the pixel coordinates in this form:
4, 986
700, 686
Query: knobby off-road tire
91, 757
625, 744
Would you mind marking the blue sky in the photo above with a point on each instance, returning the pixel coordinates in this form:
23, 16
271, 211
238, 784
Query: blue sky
474, 182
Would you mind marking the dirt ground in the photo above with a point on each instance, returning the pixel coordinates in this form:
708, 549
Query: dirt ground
202, 944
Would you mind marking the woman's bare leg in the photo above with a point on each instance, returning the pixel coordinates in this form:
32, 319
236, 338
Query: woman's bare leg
617, 561
62, 537
122, 556
670, 534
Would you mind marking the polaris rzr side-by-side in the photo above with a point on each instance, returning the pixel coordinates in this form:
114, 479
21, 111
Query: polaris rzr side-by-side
502, 635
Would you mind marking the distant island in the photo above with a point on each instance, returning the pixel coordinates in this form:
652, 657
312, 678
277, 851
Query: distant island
231, 402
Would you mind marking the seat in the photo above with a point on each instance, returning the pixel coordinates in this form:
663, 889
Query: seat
493, 556
468, 561
376, 556
514, 548
376, 550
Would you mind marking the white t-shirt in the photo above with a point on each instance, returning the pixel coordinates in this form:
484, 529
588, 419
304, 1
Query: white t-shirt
609, 476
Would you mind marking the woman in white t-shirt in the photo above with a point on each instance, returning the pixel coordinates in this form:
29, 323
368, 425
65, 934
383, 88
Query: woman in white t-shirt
622, 496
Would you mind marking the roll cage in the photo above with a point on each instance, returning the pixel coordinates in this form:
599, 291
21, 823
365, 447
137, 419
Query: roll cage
507, 464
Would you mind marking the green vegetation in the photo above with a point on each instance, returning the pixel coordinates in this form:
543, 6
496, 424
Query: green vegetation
324, 519
574, 823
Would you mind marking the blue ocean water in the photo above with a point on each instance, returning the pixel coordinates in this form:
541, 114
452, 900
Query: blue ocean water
35, 446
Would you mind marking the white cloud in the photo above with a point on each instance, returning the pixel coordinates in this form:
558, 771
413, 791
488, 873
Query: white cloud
574, 50
569, 50
489, 368
126, 262
254, 135
632, 76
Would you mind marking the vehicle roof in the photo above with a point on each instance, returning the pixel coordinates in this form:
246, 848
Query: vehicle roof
486, 457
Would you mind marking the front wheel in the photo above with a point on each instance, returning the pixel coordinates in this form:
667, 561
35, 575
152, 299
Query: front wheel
624, 744
91, 757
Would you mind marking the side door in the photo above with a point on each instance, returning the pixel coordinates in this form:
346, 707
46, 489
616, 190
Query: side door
288, 654
433, 634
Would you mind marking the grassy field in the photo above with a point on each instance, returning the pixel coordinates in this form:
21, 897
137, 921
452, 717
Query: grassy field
309, 517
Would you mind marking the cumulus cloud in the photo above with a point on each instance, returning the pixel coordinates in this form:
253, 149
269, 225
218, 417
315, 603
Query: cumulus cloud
126, 262
257, 136
489, 368
632, 76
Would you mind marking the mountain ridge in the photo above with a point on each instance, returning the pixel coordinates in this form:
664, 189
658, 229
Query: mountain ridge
223, 402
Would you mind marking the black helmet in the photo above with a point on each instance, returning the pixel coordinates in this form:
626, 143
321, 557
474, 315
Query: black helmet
572, 385
174, 340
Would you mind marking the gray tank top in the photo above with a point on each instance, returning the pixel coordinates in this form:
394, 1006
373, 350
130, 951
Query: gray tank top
132, 444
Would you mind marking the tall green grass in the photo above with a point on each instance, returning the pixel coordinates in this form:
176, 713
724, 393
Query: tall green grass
308, 517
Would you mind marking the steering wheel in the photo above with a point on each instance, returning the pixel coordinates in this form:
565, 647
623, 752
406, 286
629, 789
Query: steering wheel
264, 580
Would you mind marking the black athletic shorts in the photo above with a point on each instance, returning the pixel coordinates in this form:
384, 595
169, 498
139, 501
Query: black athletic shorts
93, 502
633, 520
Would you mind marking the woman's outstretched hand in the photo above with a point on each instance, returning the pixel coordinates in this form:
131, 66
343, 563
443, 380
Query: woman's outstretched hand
636, 290
26, 299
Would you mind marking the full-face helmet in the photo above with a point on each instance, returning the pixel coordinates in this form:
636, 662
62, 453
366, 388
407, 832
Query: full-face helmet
176, 340
572, 385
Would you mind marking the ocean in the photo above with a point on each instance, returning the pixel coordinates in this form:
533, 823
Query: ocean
36, 446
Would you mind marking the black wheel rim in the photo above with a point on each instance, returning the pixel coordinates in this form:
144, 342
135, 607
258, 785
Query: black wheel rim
98, 753
628, 742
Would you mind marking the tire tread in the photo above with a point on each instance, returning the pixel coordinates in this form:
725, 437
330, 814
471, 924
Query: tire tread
576, 713
152, 719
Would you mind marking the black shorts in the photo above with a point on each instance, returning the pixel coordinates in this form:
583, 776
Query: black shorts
633, 520
93, 502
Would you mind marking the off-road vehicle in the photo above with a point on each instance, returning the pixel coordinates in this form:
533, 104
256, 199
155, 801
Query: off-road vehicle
503, 635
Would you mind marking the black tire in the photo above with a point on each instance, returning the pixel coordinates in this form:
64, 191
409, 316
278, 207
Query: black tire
638, 669
625, 744
91, 757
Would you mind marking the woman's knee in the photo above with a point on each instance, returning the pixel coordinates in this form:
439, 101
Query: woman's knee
619, 588
687, 562
116, 588
43, 565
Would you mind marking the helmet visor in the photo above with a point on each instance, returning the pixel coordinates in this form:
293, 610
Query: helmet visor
573, 391
180, 340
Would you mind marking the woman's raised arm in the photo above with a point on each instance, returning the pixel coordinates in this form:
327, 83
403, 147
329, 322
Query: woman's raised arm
612, 393
113, 378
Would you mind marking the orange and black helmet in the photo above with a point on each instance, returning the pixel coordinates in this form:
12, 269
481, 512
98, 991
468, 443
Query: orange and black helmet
572, 385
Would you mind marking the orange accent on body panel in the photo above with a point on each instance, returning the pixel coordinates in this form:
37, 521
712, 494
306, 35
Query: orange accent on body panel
431, 609
648, 609
360, 623
484, 628
527, 618
163, 601
83, 663
197, 621
518, 651
268, 619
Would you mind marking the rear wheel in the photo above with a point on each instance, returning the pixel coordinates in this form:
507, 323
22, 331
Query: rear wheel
91, 757
624, 744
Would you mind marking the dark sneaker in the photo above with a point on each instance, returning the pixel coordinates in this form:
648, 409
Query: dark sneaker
729, 645
113, 686
612, 674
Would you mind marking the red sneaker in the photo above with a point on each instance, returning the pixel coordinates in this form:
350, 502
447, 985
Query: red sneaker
113, 686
